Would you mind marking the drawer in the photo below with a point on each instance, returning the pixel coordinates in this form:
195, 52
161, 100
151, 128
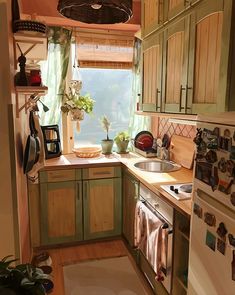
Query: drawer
101, 172
60, 175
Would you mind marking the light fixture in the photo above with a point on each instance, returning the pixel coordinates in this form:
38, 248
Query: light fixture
96, 11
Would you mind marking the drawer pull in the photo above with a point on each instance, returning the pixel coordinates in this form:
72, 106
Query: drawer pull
102, 173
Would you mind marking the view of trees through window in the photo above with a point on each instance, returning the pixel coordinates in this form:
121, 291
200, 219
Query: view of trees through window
112, 90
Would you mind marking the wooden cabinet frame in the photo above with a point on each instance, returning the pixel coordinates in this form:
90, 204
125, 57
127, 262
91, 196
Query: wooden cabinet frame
176, 28
205, 9
45, 189
115, 183
152, 73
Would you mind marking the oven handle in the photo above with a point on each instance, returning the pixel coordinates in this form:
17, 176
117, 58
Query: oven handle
168, 267
155, 212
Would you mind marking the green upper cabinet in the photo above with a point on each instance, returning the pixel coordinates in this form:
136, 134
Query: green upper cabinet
152, 16
208, 76
130, 197
61, 212
175, 7
152, 73
175, 66
102, 208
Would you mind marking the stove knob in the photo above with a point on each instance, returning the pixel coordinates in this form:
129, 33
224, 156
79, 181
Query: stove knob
176, 191
172, 188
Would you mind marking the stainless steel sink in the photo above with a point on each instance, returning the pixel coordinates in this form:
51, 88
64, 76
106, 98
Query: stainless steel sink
159, 166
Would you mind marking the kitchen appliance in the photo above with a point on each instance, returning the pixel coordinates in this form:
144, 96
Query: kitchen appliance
212, 240
52, 143
181, 191
163, 212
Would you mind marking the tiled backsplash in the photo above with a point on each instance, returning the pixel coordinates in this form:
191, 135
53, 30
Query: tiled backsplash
164, 126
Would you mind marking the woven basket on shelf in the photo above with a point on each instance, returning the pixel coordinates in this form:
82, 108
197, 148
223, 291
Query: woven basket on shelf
30, 26
87, 152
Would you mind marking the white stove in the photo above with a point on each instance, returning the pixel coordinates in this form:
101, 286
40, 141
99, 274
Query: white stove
180, 191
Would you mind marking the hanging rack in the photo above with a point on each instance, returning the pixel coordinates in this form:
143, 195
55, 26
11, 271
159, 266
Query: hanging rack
31, 96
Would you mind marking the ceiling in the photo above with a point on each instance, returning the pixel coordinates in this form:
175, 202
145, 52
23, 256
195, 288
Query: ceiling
46, 11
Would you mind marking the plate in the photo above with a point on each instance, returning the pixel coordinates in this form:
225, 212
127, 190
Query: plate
144, 140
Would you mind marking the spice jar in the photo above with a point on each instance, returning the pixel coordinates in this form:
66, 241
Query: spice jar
35, 78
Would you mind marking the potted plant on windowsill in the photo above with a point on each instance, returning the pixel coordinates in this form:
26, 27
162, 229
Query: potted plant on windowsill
122, 140
76, 104
106, 144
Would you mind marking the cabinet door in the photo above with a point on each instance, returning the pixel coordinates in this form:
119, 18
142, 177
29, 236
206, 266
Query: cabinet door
152, 15
209, 55
174, 7
61, 212
130, 197
175, 66
152, 73
102, 208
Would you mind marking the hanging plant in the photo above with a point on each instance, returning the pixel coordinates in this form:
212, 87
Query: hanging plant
77, 104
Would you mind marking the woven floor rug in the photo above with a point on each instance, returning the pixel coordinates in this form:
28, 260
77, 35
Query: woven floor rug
111, 276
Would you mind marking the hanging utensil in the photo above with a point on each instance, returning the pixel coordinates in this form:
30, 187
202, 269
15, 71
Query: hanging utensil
30, 149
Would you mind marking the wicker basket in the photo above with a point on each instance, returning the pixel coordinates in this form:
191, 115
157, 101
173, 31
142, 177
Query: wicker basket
87, 152
30, 26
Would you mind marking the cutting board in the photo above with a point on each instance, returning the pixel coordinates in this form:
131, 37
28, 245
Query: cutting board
182, 151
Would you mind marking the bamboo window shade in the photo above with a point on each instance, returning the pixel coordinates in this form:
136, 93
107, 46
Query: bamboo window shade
104, 50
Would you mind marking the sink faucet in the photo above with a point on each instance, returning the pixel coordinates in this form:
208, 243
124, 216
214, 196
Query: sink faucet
164, 154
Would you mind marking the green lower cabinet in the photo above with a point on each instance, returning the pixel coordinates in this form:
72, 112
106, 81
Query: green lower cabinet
61, 212
102, 208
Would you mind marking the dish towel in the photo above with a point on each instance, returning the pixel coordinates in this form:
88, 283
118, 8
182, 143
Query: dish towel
149, 237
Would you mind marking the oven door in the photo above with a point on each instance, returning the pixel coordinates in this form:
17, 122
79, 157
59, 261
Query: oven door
166, 245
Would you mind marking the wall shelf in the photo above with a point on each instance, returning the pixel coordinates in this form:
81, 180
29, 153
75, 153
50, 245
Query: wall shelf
33, 46
31, 94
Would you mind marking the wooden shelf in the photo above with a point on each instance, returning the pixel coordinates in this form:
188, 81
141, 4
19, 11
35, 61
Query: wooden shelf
33, 46
180, 281
168, 115
31, 95
31, 90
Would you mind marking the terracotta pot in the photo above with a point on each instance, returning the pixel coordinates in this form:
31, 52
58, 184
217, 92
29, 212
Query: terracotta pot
107, 146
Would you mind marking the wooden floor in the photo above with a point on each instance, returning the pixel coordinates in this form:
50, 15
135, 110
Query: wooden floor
74, 254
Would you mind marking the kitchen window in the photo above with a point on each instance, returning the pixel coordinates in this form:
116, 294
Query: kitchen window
112, 91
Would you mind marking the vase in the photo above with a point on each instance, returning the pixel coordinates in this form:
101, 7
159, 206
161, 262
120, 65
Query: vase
107, 146
76, 115
122, 146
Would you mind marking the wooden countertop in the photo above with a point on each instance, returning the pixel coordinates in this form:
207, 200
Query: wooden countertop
152, 180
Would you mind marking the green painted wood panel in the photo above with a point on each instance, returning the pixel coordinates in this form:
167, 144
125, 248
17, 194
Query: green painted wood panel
130, 196
201, 11
180, 26
115, 183
155, 39
45, 188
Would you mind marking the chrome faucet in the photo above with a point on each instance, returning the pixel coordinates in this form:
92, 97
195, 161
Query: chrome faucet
164, 154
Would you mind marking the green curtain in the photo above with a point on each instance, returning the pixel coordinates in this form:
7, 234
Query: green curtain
137, 123
54, 71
